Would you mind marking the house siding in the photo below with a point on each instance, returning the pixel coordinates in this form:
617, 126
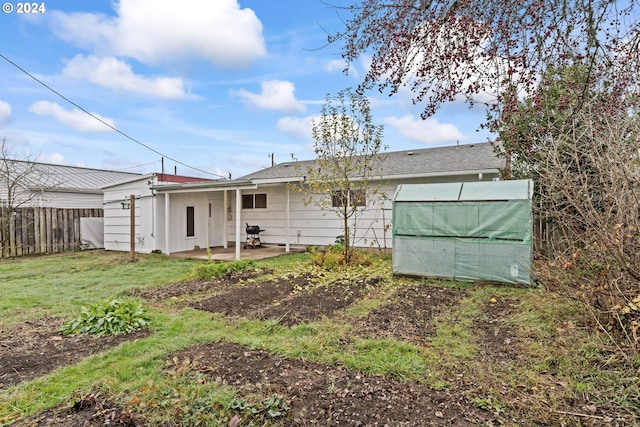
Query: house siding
117, 220
309, 226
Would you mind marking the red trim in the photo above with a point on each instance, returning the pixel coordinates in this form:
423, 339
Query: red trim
165, 177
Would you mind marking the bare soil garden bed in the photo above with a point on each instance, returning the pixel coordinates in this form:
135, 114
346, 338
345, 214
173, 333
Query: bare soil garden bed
35, 348
316, 394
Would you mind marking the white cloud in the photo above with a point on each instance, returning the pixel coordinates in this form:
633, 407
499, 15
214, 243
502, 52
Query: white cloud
334, 65
5, 111
297, 126
428, 131
74, 118
115, 74
276, 95
154, 31
55, 158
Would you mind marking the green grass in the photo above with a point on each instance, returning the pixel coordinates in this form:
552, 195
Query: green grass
560, 358
59, 284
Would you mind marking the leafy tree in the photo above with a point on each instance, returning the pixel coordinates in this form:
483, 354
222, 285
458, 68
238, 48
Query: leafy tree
443, 49
561, 83
537, 120
345, 178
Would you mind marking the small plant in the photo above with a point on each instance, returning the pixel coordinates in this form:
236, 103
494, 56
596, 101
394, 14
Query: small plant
489, 403
210, 270
111, 317
275, 406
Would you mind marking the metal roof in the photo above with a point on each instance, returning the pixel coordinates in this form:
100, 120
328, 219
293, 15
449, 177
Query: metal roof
422, 162
68, 178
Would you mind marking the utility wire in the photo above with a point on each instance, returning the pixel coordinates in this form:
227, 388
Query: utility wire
105, 123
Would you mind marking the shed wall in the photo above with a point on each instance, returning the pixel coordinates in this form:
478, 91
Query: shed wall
486, 236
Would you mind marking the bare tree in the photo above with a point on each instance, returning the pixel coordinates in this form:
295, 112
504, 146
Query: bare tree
21, 181
345, 178
591, 180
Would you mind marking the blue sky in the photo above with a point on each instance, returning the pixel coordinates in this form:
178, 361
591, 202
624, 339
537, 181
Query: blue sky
217, 85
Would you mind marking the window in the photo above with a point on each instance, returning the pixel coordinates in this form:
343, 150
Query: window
254, 201
191, 223
260, 201
356, 198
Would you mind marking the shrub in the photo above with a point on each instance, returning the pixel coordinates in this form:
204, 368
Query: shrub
111, 317
214, 269
333, 257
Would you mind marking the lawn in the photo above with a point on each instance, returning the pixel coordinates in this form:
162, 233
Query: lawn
287, 343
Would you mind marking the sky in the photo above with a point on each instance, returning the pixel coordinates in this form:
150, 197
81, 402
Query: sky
215, 87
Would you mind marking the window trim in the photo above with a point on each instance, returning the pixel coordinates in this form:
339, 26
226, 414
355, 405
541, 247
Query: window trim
252, 199
191, 221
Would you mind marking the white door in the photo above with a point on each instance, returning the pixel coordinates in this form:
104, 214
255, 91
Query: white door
216, 222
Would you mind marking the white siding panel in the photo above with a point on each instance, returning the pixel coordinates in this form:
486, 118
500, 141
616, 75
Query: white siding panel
117, 220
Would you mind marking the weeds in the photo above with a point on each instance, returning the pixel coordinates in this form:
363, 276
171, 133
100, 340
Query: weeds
185, 396
210, 270
334, 257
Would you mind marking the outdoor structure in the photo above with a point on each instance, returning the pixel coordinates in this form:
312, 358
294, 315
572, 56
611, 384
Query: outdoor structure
465, 231
52, 208
180, 216
153, 219
61, 186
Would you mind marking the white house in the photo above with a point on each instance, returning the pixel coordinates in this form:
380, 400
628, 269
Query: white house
150, 218
174, 216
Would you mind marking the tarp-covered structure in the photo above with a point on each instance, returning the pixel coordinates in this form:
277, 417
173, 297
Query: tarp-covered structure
471, 231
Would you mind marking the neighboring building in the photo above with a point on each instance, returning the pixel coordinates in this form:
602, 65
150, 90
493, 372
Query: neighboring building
53, 208
59, 186
179, 216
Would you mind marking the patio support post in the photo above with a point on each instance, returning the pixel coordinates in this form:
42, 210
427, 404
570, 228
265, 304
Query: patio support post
288, 217
225, 218
167, 221
238, 209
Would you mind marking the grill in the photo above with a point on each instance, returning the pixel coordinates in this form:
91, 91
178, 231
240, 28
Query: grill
253, 236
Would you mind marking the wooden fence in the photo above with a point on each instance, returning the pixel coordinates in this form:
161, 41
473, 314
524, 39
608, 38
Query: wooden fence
30, 231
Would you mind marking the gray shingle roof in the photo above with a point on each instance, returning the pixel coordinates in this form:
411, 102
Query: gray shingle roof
427, 161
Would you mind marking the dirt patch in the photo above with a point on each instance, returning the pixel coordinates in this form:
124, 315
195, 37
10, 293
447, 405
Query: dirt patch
325, 395
243, 300
317, 302
88, 411
35, 348
409, 314
496, 340
290, 300
194, 287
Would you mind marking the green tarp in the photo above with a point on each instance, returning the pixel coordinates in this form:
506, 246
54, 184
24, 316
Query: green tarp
465, 231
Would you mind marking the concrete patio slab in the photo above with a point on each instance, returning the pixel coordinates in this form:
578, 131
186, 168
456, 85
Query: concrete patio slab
229, 254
